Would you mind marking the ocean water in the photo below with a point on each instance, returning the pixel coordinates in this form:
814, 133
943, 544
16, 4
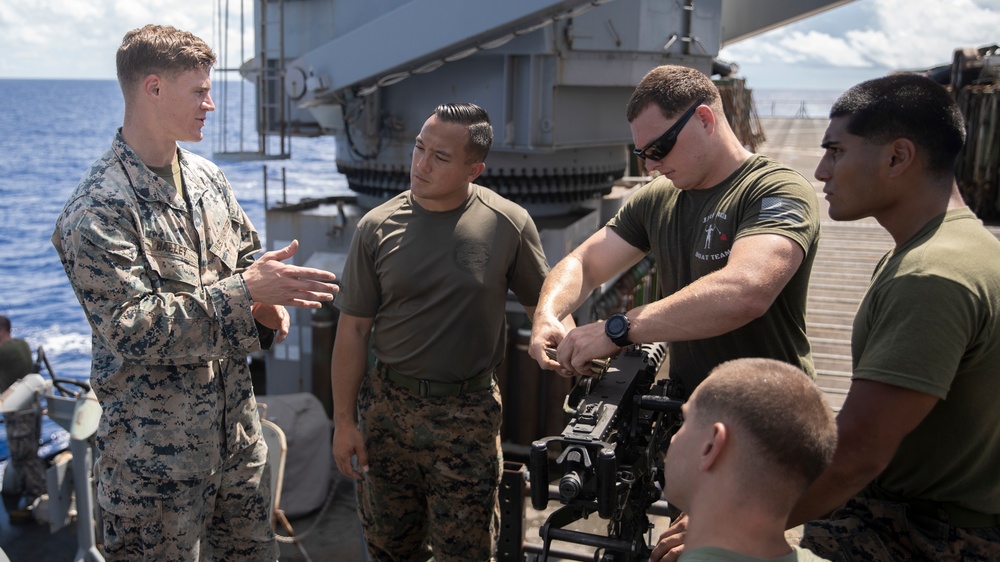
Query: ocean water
52, 130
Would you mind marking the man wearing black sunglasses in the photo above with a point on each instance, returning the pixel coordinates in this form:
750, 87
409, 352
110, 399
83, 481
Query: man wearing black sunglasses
734, 236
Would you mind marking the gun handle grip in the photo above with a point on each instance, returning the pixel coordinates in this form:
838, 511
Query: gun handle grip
607, 477
538, 470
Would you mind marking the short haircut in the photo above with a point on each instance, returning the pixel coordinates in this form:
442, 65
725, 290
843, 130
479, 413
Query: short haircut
159, 49
673, 89
779, 407
4, 323
906, 106
476, 120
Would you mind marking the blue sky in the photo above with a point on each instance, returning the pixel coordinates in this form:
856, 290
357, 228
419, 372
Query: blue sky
832, 50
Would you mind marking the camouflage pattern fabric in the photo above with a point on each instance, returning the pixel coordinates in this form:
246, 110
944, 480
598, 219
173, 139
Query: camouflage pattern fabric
435, 466
158, 277
225, 517
867, 529
24, 429
159, 281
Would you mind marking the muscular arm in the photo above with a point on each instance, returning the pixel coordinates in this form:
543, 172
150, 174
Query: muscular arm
567, 286
872, 423
758, 268
350, 358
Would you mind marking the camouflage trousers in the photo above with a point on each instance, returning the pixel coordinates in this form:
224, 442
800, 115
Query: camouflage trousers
224, 517
24, 429
434, 471
867, 529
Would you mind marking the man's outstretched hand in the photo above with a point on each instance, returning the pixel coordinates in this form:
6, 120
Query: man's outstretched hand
270, 281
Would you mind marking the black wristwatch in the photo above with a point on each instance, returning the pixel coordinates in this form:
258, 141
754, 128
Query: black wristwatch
616, 328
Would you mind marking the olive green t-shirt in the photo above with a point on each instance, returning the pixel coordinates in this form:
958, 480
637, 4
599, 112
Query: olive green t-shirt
690, 235
171, 173
436, 283
716, 554
930, 322
15, 361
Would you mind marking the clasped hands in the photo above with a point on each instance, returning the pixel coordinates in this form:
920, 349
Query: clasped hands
575, 350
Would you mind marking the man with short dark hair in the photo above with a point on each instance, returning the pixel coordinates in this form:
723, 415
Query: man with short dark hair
756, 433
734, 236
427, 280
915, 476
161, 256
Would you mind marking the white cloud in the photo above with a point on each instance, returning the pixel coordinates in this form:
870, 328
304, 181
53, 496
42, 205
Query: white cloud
923, 33
867, 36
815, 45
78, 11
871, 45
79, 38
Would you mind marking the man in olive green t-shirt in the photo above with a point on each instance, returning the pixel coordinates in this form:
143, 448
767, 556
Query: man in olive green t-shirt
23, 427
915, 476
733, 234
15, 356
426, 282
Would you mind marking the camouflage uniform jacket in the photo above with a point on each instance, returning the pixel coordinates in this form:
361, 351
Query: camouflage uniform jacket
172, 326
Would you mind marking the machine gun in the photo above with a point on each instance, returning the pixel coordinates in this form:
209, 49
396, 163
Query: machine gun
611, 457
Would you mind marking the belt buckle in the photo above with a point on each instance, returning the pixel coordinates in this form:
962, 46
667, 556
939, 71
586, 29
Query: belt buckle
423, 388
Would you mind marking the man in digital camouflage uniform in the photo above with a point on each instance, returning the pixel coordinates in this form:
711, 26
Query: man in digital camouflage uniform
430, 270
160, 255
916, 475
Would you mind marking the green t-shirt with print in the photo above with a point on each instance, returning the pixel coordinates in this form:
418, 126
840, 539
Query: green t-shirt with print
690, 235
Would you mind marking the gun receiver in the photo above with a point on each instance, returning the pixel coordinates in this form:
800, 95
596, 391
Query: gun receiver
611, 455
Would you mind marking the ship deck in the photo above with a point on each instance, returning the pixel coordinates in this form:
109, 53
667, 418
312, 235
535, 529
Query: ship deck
847, 255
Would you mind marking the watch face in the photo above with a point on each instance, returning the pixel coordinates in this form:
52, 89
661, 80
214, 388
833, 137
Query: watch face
616, 325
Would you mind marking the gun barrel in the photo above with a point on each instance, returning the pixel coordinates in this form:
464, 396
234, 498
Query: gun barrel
659, 404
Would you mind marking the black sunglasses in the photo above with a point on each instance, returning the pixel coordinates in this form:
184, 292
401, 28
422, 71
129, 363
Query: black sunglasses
659, 148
